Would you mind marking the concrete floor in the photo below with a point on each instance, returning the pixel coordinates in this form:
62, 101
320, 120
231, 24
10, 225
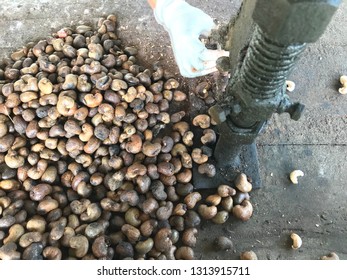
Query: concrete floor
317, 144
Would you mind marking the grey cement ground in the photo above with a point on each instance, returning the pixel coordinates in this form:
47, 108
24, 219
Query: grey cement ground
316, 208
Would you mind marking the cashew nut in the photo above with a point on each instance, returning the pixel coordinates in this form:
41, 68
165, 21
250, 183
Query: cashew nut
223, 243
124, 250
52, 253
198, 157
132, 217
164, 212
202, 89
181, 127
188, 138
189, 237
177, 117
242, 184
207, 212
180, 209
204, 121
93, 99
15, 232
143, 247
8, 252
186, 160
184, 253
294, 176
209, 136
79, 245
66, 106
331, 257
227, 203
45, 86
162, 240
184, 176
178, 149
297, 242
290, 86
213, 199
37, 171
225, 191
134, 145
243, 211
248, 255
147, 227
191, 199
208, 169
13, 160
221, 217
343, 81
151, 149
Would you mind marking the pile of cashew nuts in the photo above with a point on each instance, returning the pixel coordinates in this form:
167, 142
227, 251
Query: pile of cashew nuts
96, 164
86, 170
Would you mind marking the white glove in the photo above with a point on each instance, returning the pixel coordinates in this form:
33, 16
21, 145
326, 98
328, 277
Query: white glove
185, 24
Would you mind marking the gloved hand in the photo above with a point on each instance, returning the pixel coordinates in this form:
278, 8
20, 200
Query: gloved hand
185, 24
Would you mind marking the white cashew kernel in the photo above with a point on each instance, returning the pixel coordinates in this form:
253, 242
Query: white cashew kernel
294, 176
290, 86
297, 242
343, 81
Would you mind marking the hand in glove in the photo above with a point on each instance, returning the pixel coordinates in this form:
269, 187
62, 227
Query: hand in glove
185, 24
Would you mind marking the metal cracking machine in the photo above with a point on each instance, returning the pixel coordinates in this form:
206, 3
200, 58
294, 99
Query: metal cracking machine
280, 31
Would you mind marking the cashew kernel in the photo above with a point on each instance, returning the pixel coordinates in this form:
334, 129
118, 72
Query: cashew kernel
343, 81
297, 242
290, 86
294, 176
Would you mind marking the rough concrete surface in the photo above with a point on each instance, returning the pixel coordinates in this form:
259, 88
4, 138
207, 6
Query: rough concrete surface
316, 209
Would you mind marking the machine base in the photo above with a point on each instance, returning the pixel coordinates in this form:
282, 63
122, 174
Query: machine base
247, 163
